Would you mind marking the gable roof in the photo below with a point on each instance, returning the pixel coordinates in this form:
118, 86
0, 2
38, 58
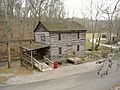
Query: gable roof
58, 26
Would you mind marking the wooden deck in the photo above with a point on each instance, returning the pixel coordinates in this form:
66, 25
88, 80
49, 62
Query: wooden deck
74, 60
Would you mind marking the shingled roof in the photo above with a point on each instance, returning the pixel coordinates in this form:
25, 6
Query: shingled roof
59, 26
34, 46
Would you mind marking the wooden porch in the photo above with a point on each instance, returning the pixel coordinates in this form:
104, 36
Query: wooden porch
74, 60
35, 55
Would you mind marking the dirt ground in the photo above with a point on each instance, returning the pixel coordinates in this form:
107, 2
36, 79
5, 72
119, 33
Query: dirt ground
116, 87
55, 73
15, 70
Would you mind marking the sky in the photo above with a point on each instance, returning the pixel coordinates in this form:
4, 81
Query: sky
75, 7
79, 8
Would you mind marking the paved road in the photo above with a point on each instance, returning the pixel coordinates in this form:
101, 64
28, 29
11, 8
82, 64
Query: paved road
84, 81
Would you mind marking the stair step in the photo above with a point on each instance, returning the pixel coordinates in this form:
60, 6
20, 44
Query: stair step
45, 67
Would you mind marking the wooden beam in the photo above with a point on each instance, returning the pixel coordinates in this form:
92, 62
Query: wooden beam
31, 58
21, 56
9, 57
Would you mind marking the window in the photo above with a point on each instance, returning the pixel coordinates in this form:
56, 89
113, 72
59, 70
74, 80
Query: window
78, 47
104, 36
82, 35
42, 37
78, 35
60, 50
59, 36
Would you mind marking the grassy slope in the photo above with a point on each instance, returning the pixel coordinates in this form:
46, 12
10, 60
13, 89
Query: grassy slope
88, 37
88, 44
15, 70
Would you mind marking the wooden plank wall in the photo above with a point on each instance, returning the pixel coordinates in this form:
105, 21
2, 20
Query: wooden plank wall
68, 41
38, 37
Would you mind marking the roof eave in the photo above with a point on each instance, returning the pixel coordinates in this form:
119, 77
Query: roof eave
68, 31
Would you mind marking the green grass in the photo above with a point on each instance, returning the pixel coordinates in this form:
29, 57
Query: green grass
89, 35
88, 45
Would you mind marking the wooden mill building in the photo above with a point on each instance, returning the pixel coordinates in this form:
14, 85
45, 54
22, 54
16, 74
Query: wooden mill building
63, 38
56, 41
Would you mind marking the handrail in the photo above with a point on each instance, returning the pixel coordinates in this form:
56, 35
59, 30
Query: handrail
36, 61
39, 64
47, 59
25, 54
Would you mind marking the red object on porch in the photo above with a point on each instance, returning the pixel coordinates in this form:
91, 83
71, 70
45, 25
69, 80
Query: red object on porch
55, 65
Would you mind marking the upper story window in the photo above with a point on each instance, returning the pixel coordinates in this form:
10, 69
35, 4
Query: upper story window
59, 36
78, 35
42, 37
82, 35
78, 48
60, 50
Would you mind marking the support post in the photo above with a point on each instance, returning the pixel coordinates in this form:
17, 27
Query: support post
9, 58
41, 67
30, 41
21, 56
31, 58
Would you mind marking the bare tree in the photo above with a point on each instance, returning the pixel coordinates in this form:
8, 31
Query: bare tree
95, 14
116, 25
110, 14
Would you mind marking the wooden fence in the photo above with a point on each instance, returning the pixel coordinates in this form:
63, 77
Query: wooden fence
29, 61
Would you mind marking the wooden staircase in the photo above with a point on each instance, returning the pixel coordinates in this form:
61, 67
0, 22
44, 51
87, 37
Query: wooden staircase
41, 66
29, 61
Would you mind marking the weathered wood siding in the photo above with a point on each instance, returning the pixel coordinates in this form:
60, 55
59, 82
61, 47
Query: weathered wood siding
68, 43
39, 36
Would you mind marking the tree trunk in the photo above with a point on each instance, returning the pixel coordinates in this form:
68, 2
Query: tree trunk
98, 44
93, 36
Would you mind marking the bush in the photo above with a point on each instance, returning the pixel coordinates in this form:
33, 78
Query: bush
89, 50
